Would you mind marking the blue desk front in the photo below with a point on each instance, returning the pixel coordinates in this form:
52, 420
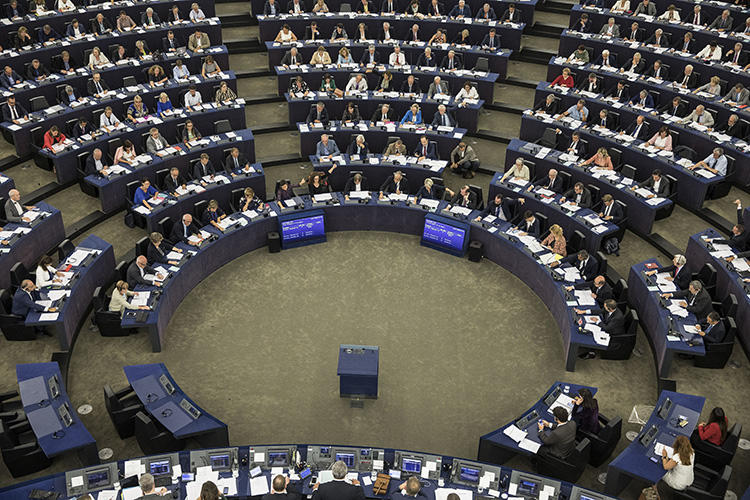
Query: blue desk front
22, 137
556, 213
113, 189
66, 161
641, 212
112, 75
251, 233
100, 271
165, 407
728, 280
497, 447
510, 34
54, 436
368, 104
635, 462
497, 59
358, 370
56, 483
691, 187
44, 236
377, 137
644, 296
375, 174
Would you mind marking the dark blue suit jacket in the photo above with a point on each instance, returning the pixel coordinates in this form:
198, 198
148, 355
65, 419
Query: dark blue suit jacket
458, 11
534, 230
637, 99
9, 82
615, 212
22, 303
486, 40
437, 120
715, 334
431, 151
589, 270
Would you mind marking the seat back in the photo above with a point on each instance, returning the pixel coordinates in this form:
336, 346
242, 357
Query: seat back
483, 64
64, 249
141, 246
549, 138
18, 273
628, 171
707, 276
577, 241
222, 126
38, 103
685, 152
199, 209
480, 197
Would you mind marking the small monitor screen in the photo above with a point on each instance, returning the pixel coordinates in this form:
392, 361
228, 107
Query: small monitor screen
325, 450
278, 459
585, 496
347, 458
411, 465
298, 229
469, 474
220, 462
526, 487
97, 478
441, 235
364, 452
160, 467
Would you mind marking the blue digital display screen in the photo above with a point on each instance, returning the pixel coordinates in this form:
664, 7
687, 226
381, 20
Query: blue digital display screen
444, 234
469, 474
303, 228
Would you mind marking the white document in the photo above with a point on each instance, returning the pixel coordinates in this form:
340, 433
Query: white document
229, 483
134, 468
325, 476
529, 445
259, 486
442, 493
48, 316
515, 433
107, 495
174, 255
135, 492
658, 447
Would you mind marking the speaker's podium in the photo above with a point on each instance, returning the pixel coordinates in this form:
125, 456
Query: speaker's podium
358, 372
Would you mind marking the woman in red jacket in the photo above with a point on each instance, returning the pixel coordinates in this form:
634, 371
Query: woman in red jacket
565, 79
715, 431
53, 136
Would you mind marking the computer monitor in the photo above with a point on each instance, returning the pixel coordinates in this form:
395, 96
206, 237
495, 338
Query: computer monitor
220, 461
347, 458
665, 408
96, 479
278, 459
160, 467
528, 487
302, 228
469, 474
578, 493
411, 465
445, 234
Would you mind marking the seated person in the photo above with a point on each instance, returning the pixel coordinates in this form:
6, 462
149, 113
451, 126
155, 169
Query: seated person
96, 86
213, 215
715, 430
144, 193
591, 84
64, 64
736, 56
688, 79
126, 153
604, 121
317, 182
428, 191
638, 129
426, 59
586, 264
486, 13
578, 196
500, 207
236, 161
295, 7
529, 225
586, 411
732, 127
150, 18
158, 249
560, 440
357, 83
711, 52
396, 148
451, 62
163, 104
738, 96
442, 118
384, 114
658, 39
344, 57
716, 163
46, 274
411, 86
100, 25
96, 163
712, 330
656, 183
578, 111
155, 141
437, 87
320, 7
285, 35
136, 275
119, 301
318, 114
203, 168
174, 181
285, 191
684, 44
491, 40
697, 300
642, 100
611, 321
661, 140
634, 65
156, 75
600, 290
299, 86
583, 25
326, 147
610, 29
170, 44
358, 147
395, 183
69, 97
460, 11
82, 127
36, 71
53, 136
518, 171
465, 197
511, 15
249, 201
397, 58
564, 80
678, 273
14, 112
739, 238
24, 300
601, 160
580, 55
675, 107
551, 182
338, 35
351, 113
137, 109
550, 105
425, 149
371, 56
355, 183
291, 58
328, 84
464, 161
610, 211
576, 145
190, 132
183, 230
657, 70
47, 34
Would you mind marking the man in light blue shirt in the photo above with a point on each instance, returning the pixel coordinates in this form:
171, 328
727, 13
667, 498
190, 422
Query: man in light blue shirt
578, 111
716, 162
326, 147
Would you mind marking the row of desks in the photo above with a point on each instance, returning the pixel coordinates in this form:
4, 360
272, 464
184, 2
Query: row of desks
691, 188
119, 100
375, 169
368, 103
134, 8
78, 48
469, 54
65, 162
114, 74
400, 24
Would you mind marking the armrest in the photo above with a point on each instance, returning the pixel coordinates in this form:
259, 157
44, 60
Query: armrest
705, 471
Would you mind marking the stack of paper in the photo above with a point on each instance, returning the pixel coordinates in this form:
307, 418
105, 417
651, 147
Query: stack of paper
515, 433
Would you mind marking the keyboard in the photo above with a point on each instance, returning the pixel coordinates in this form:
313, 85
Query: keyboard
163, 480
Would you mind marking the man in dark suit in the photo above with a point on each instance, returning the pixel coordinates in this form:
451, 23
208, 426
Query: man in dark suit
384, 113
100, 25
656, 183
550, 105
235, 161
171, 43
611, 211
560, 439
599, 288
338, 489
723, 22
356, 182
150, 18
436, 9
465, 197
138, 269
732, 127
678, 273
174, 180
411, 488
25, 299
501, 207
607, 59
96, 164
576, 145
371, 56
318, 114
674, 108
604, 120
411, 86
63, 64
612, 322
203, 167
688, 79
530, 224
9, 78
312, 32
451, 62
684, 44
426, 59
635, 65
638, 128
425, 149
395, 183
13, 112
148, 487
739, 237
591, 84
658, 39
657, 71
184, 230
551, 181
271, 8
634, 35
14, 10
36, 71
586, 264
736, 55
712, 330
96, 86
82, 127
13, 209
491, 40
697, 300
579, 196
442, 118
511, 15
281, 490
642, 100
619, 92
291, 58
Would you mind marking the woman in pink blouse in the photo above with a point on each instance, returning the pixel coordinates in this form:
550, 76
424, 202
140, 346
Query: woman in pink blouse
601, 160
662, 139
555, 241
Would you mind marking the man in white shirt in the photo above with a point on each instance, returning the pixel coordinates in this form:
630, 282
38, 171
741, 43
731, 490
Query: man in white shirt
397, 58
357, 83
193, 98
13, 209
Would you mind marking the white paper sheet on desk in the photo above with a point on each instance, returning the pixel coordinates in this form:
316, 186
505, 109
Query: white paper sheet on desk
135, 492
351, 476
141, 299
690, 328
259, 486
655, 201
515, 433
460, 210
562, 401
518, 182
568, 206
673, 338
107, 495
325, 476
48, 316
741, 265
592, 318
601, 338
134, 468
58, 294
442, 493
592, 328
722, 247
174, 255
529, 445
359, 194
547, 258
666, 286
584, 298
322, 197
599, 229
229, 483
722, 254
31, 215
44, 303
141, 209
705, 173
658, 447
545, 192
429, 203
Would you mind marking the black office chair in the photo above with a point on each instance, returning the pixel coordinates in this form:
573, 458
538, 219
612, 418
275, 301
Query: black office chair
726, 307
159, 177
707, 485
713, 456
121, 270
199, 209
38, 103
165, 226
621, 346
718, 353
628, 171
122, 407
566, 178
620, 291
65, 248
138, 218
576, 242
108, 322
129, 81
569, 468
222, 127
664, 212
604, 442
20, 450
543, 223
234, 199
596, 194
154, 438
112, 146
707, 276
18, 273
483, 64
480, 196
721, 189
141, 246
603, 263
548, 138
685, 152
84, 186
